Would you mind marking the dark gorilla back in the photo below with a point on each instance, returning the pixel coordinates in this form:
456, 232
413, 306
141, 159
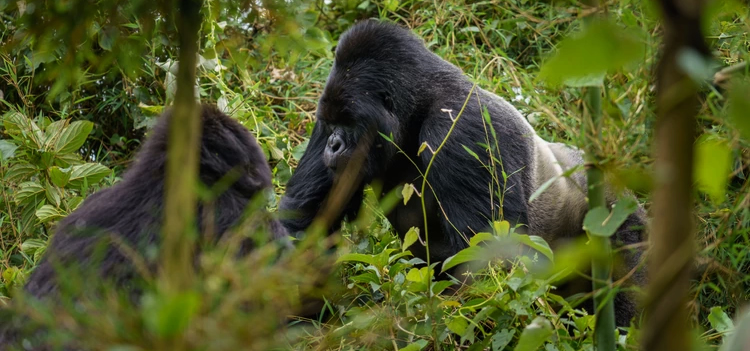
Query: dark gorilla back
131, 210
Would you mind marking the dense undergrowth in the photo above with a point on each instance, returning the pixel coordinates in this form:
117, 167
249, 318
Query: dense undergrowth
72, 118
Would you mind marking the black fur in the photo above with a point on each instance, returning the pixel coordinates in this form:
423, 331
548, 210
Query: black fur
132, 209
385, 80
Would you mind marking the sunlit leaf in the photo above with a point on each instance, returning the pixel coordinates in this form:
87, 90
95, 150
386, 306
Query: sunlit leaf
357, 257
91, 172
48, 213
457, 325
410, 238
534, 335
73, 137
406, 192
535, 242
471, 253
719, 320
601, 222
28, 191
601, 47
58, 176
713, 160
7, 149
416, 346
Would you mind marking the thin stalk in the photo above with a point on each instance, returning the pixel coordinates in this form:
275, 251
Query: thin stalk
601, 262
182, 158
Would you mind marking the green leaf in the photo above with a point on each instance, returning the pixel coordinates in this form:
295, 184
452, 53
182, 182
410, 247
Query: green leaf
534, 335
415, 346
713, 160
357, 257
719, 320
28, 191
739, 104
407, 192
410, 238
439, 286
73, 137
457, 325
20, 171
418, 275
7, 149
32, 245
501, 228
601, 47
471, 253
58, 176
107, 37
535, 242
53, 132
502, 338
480, 237
91, 172
600, 222
48, 213
167, 316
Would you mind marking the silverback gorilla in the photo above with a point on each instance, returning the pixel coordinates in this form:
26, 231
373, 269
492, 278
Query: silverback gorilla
132, 209
385, 81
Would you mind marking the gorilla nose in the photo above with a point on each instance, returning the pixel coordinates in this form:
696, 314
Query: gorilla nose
334, 148
335, 144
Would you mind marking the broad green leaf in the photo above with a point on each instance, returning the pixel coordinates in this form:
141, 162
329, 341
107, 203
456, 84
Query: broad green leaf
299, 150
30, 246
739, 104
410, 238
91, 172
73, 137
536, 243
407, 192
357, 257
107, 37
418, 275
28, 191
601, 47
439, 286
391, 5
58, 176
20, 171
480, 237
53, 132
501, 228
471, 253
534, 335
698, 67
600, 222
415, 346
502, 338
48, 213
7, 149
719, 320
457, 325
713, 160
53, 193
15, 122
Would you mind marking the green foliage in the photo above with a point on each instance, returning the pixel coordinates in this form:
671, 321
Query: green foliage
74, 109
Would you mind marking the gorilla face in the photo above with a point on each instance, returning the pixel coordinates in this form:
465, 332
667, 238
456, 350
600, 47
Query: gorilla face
352, 117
